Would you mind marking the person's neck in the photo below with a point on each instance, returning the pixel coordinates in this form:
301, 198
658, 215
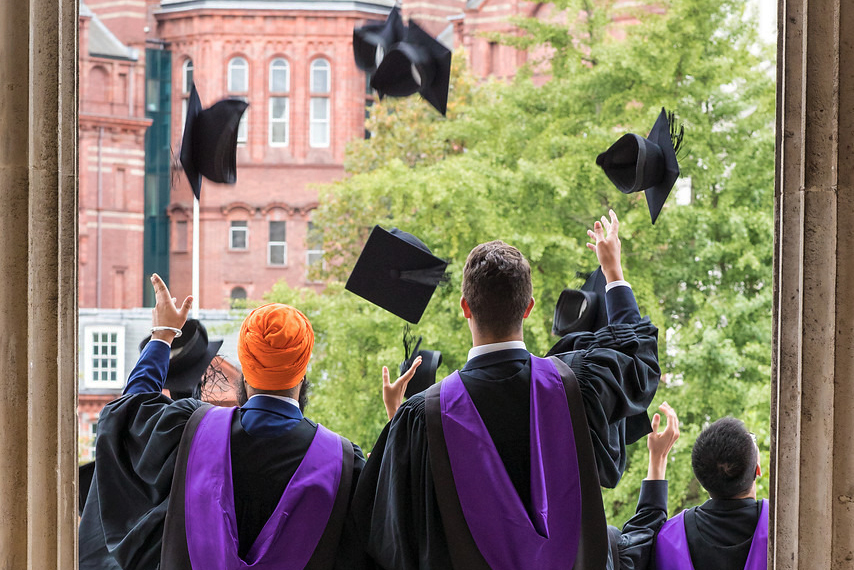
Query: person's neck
478, 339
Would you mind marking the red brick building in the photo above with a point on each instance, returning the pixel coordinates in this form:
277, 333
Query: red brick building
112, 128
293, 62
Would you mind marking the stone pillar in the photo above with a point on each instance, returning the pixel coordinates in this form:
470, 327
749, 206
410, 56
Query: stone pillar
38, 289
812, 469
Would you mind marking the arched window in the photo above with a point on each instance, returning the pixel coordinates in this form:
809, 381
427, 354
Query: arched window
238, 75
187, 76
238, 82
237, 294
319, 112
279, 104
280, 76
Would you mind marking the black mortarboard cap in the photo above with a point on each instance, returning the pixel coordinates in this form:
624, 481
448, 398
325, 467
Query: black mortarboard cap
635, 163
397, 272
209, 144
189, 358
417, 64
374, 39
425, 374
582, 309
85, 473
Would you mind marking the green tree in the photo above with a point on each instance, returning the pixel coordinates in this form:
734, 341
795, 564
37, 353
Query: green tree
517, 162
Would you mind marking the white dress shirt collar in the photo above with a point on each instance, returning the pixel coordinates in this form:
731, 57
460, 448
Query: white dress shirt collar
495, 347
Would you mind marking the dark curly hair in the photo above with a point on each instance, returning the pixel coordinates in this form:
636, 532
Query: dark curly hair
724, 459
497, 287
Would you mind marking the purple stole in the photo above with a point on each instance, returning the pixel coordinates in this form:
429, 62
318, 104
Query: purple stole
292, 533
671, 545
506, 536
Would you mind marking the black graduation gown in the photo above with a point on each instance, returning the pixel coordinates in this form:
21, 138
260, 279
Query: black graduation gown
138, 440
720, 533
633, 547
395, 521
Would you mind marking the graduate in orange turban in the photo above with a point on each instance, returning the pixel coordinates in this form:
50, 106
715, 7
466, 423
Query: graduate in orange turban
274, 347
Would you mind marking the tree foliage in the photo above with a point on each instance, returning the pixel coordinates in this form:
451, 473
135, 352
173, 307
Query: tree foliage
516, 162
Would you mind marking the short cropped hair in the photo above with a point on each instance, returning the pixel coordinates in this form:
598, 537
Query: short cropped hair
724, 459
497, 287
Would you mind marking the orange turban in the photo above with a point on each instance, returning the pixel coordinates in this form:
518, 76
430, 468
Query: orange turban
274, 347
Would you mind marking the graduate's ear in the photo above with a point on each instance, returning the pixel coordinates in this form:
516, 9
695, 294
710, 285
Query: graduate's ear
758, 471
465, 307
528, 310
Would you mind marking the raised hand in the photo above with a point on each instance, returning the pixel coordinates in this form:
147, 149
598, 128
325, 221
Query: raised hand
606, 244
393, 392
165, 312
660, 444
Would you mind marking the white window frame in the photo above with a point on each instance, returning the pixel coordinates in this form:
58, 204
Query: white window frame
319, 130
186, 67
89, 357
287, 69
316, 65
232, 229
271, 244
233, 63
280, 121
319, 126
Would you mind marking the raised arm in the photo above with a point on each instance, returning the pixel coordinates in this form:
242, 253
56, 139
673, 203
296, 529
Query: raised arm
637, 539
150, 371
616, 366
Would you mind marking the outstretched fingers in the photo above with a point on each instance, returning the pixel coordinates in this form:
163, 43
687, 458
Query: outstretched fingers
161, 291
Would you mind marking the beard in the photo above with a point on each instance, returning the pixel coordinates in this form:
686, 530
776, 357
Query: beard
242, 397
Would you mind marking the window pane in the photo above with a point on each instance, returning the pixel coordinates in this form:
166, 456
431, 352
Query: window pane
319, 109
279, 107
319, 127
238, 240
113, 337
277, 231
279, 76
279, 133
277, 254
238, 76
243, 128
320, 76
113, 350
188, 75
239, 224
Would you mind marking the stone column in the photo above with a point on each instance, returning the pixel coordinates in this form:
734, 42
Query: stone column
812, 469
38, 289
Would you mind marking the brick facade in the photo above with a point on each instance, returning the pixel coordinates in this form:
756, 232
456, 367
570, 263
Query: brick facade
274, 177
111, 137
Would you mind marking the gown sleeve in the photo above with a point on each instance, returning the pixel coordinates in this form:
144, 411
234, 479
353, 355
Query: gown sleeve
618, 373
122, 523
637, 540
395, 520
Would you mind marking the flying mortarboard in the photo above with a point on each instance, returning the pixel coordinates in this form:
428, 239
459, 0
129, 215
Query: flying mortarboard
582, 309
418, 64
425, 374
189, 358
397, 272
635, 163
209, 144
373, 40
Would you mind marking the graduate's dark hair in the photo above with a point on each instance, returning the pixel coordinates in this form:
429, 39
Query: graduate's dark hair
724, 459
497, 287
